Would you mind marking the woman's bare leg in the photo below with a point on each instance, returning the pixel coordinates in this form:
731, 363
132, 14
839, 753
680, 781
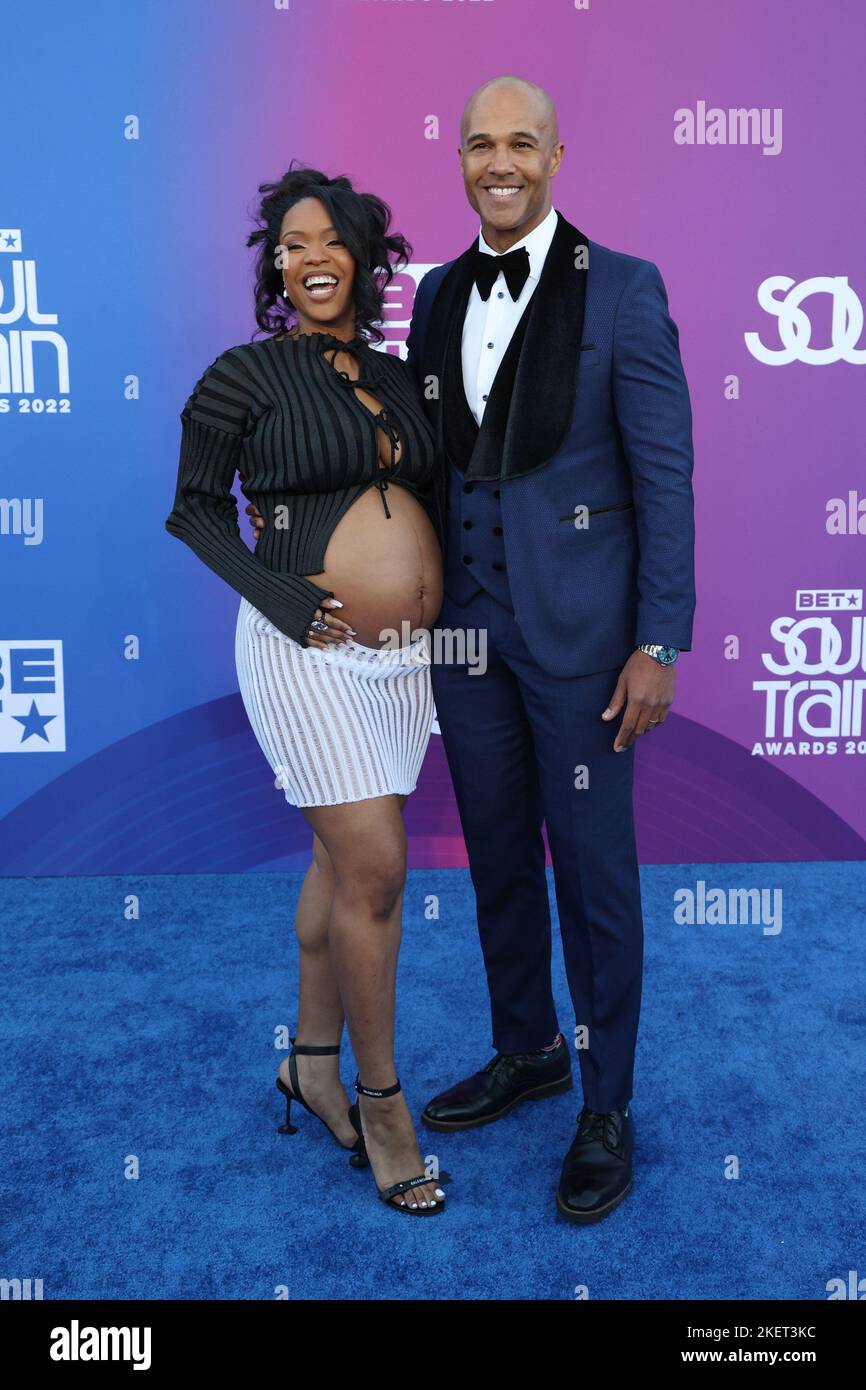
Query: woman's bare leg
366, 844
320, 1009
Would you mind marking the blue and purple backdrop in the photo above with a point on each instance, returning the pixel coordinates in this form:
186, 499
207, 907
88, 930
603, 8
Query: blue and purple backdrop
722, 141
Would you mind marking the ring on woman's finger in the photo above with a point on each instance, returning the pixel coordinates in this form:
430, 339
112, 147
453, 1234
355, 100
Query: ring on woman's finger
319, 625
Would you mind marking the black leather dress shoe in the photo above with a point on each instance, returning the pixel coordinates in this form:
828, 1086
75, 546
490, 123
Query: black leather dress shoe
597, 1173
506, 1081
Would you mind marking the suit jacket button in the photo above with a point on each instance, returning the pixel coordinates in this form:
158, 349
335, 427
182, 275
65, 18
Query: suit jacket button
467, 487
467, 526
497, 530
467, 559
497, 566
496, 493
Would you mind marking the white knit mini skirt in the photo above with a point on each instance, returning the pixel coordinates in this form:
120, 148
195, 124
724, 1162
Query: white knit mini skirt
339, 725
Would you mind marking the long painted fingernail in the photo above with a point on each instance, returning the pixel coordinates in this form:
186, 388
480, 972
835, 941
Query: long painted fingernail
333, 603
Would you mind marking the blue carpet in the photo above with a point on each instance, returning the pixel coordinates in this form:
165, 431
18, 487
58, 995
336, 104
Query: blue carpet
152, 1041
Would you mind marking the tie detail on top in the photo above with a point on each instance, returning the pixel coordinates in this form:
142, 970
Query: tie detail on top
383, 418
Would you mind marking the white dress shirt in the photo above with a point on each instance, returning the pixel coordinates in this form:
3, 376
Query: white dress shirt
489, 324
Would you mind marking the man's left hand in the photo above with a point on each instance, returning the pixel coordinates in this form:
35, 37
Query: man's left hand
257, 521
646, 689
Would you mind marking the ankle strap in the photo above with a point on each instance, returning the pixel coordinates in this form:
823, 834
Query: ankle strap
302, 1050
380, 1095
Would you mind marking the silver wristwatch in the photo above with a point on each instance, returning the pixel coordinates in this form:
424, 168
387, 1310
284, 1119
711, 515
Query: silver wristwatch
665, 656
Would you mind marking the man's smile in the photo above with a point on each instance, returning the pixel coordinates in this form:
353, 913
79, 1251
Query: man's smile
501, 192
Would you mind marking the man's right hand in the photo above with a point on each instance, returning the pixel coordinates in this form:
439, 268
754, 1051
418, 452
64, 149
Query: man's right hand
255, 517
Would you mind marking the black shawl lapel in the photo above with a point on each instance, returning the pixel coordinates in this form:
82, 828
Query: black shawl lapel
542, 402
488, 455
459, 426
446, 318
444, 324
532, 401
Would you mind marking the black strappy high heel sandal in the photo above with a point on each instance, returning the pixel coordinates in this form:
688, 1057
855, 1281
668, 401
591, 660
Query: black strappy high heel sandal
397, 1188
358, 1155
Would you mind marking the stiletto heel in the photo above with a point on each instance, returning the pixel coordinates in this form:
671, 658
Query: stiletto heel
288, 1127
397, 1188
302, 1050
358, 1158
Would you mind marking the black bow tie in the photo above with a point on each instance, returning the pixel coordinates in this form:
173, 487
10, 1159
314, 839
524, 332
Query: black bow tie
514, 266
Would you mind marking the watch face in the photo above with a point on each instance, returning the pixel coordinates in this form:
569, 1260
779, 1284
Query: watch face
667, 655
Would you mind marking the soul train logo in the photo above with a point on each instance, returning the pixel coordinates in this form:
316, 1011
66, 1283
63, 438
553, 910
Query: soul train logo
822, 713
399, 303
21, 346
782, 297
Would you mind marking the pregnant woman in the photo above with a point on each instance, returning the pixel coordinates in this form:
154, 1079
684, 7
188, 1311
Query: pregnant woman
334, 451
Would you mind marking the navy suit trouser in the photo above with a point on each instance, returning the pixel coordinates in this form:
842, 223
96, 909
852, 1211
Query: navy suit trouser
526, 748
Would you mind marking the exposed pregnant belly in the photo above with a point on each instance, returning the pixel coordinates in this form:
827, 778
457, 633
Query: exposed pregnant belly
386, 571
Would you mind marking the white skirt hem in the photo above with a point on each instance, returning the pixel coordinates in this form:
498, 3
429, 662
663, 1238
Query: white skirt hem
347, 724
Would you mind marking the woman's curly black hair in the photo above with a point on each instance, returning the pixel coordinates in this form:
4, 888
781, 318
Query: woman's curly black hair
361, 220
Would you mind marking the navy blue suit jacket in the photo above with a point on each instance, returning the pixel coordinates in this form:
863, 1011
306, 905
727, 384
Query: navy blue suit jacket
599, 418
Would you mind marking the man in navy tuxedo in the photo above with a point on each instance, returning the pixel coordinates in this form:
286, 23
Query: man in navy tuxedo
552, 375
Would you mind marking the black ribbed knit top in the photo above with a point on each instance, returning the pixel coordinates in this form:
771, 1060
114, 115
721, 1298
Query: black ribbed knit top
280, 413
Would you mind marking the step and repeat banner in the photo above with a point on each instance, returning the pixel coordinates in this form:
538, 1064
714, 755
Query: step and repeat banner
724, 142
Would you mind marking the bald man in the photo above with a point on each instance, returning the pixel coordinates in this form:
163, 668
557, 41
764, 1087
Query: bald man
552, 375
